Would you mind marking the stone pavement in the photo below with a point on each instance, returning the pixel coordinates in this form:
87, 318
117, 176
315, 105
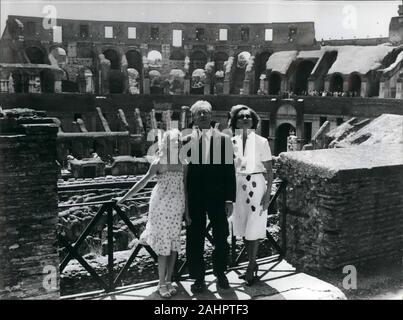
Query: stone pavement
278, 281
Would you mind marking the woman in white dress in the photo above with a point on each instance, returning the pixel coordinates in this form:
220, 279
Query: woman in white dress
254, 175
166, 210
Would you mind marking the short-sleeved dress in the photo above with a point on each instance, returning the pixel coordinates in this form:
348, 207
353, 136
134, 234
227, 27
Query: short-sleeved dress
167, 205
248, 218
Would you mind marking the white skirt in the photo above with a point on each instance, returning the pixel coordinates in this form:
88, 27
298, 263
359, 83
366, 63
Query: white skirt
248, 218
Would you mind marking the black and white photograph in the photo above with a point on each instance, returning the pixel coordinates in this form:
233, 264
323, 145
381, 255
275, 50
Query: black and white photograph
205, 152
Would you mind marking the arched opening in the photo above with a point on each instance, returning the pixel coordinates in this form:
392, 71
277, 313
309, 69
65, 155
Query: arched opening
116, 81
197, 83
176, 81
354, 85
260, 67
35, 55
274, 83
217, 85
303, 72
47, 81
69, 86
135, 61
154, 58
282, 133
177, 54
336, 83
86, 80
219, 59
198, 60
113, 57
20, 82
155, 82
85, 52
238, 75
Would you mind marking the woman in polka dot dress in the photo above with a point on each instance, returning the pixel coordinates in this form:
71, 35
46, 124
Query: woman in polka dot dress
254, 177
166, 210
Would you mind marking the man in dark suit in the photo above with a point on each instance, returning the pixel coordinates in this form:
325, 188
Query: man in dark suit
210, 188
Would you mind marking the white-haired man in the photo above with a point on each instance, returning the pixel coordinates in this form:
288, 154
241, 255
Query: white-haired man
210, 188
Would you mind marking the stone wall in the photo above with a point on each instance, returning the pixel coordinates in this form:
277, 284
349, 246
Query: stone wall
344, 206
28, 207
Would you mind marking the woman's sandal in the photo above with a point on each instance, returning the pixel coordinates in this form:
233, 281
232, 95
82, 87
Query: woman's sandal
172, 290
163, 291
251, 274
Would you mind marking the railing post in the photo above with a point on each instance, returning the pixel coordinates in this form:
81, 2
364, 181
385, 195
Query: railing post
110, 247
284, 221
233, 248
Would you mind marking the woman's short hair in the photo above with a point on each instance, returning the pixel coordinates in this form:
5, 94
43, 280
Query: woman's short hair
234, 116
169, 137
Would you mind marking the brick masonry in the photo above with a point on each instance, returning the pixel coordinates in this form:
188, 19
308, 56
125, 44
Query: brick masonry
344, 205
28, 207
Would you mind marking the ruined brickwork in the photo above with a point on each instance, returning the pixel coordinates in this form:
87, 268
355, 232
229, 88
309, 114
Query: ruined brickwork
28, 208
344, 206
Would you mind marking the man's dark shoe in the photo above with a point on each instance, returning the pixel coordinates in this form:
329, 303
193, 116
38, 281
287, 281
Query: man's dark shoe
222, 281
198, 286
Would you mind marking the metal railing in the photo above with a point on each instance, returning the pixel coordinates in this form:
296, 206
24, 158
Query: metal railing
109, 207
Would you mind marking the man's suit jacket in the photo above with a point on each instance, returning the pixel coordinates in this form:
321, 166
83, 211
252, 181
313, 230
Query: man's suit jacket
212, 183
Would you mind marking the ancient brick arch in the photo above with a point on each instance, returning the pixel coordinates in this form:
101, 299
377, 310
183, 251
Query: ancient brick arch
177, 54
282, 132
302, 73
134, 60
198, 60
219, 59
336, 83
238, 73
354, 84
113, 56
36, 55
275, 79
260, 66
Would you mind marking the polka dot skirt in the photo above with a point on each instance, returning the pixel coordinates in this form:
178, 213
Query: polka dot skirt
167, 204
248, 218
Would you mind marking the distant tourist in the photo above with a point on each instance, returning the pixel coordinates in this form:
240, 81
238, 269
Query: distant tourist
166, 211
254, 176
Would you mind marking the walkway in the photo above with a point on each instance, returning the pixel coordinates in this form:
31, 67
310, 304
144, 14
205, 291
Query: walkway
279, 281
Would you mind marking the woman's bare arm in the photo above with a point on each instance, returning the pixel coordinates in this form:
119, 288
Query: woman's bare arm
269, 179
141, 184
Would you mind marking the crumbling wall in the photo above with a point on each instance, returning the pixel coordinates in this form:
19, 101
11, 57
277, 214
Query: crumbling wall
344, 206
28, 207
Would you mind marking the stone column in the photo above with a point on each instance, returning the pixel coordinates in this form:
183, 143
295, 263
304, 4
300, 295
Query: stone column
58, 82
29, 259
226, 86
4, 85
311, 85
206, 89
246, 87
184, 122
146, 86
399, 94
327, 85
345, 85
382, 90
89, 88
283, 85
186, 86
364, 89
